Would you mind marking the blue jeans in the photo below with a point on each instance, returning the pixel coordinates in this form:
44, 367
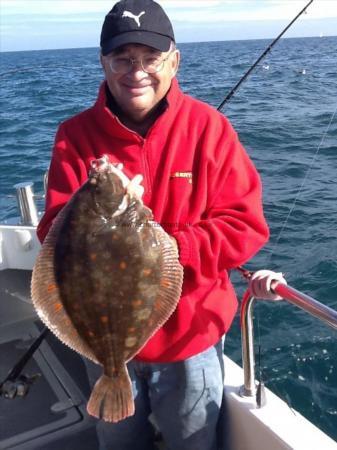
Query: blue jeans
183, 399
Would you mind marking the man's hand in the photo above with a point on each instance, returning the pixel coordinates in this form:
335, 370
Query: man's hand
133, 187
260, 284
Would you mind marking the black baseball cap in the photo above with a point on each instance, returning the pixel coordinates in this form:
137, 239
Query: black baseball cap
136, 22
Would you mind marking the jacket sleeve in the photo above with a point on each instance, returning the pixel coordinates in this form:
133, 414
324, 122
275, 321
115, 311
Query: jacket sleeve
232, 228
66, 174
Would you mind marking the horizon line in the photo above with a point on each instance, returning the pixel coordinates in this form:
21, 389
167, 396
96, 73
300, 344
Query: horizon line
178, 43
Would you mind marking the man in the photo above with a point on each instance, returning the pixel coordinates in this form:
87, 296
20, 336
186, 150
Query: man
201, 187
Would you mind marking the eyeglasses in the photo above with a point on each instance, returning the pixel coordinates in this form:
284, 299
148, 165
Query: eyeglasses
148, 63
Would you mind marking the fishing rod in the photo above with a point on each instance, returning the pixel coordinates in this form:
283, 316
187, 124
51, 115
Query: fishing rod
15, 382
267, 50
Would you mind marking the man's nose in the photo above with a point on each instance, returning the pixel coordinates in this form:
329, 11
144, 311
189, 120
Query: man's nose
136, 69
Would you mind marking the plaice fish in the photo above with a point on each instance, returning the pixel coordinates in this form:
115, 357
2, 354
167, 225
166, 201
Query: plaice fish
106, 278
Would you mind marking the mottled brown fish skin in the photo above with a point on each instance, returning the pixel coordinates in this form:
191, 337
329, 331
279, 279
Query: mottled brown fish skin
108, 272
119, 280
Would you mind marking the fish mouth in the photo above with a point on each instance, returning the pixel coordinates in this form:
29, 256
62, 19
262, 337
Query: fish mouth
100, 165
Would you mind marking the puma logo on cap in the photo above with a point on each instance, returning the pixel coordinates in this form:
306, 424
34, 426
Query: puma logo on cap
132, 16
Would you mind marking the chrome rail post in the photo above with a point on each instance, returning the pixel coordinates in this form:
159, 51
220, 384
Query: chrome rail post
26, 203
289, 294
45, 181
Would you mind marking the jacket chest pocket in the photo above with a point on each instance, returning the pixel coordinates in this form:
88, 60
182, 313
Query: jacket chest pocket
180, 193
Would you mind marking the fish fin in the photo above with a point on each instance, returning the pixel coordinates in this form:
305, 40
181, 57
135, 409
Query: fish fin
171, 277
111, 399
170, 282
169, 292
46, 297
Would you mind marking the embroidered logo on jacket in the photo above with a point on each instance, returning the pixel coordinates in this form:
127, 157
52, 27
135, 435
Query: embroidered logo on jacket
132, 16
187, 175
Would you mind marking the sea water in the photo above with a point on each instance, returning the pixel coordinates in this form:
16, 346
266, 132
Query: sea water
284, 115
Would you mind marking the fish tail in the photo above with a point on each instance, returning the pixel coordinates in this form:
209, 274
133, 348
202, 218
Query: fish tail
111, 399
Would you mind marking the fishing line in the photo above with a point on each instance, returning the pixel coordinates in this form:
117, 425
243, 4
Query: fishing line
313, 159
299, 192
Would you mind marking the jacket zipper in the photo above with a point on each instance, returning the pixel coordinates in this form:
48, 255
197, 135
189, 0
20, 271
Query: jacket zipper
146, 170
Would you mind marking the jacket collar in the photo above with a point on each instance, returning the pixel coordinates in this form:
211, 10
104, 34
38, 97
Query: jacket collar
109, 120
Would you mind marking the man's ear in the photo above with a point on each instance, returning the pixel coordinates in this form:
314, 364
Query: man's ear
102, 61
175, 62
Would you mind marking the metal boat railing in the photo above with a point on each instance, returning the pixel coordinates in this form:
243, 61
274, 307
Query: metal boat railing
25, 198
26, 203
289, 294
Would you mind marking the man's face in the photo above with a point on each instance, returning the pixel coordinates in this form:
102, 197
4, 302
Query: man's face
136, 91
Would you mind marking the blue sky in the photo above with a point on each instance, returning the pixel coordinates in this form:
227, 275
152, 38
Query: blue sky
47, 24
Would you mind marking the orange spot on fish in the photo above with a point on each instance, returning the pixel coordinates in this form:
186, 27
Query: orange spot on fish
58, 307
147, 272
93, 256
157, 306
51, 287
104, 319
122, 265
91, 334
131, 330
165, 283
137, 302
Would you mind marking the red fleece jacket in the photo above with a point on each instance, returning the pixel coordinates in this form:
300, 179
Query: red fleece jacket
202, 188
